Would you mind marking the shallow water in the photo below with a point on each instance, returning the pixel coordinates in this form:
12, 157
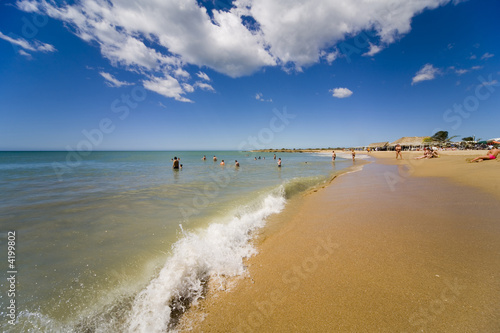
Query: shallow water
118, 241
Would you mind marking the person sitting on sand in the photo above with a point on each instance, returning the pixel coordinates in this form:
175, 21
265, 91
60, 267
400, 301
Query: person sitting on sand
175, 164
427, 154
398, 151
490, 155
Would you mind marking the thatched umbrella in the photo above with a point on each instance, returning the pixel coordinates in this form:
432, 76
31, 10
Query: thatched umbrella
410, 141
379, 144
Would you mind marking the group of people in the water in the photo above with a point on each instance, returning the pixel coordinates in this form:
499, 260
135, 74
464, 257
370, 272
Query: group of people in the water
176, 161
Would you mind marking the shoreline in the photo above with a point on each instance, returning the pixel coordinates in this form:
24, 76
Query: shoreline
360, 255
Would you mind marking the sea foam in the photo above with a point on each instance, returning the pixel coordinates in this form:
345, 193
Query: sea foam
214, 253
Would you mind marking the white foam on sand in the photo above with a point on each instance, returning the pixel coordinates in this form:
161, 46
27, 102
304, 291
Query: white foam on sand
216, 252
346, 155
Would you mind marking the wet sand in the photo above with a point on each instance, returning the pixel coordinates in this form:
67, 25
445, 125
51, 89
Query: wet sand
396, 247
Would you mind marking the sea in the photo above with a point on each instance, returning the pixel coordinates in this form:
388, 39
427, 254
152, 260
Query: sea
118, 241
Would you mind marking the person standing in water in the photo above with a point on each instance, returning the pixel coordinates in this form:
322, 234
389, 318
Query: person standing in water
175, 164
398, 151
334, 156
353, 154
279, 162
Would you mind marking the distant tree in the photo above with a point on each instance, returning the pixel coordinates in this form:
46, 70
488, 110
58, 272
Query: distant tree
428, 139
471, 138
442, 137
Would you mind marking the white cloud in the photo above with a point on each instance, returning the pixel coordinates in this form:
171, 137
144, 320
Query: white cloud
487, 56
341, 92
374, 49
168, 87
204, 86
33, 46
203, 76
331, 56
112, 82
157, 39
462, 71
428, 72
459, 71
26, 54
260, 97
490, 83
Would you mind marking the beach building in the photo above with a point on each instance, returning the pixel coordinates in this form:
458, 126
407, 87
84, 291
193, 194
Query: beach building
379, 145
411, 142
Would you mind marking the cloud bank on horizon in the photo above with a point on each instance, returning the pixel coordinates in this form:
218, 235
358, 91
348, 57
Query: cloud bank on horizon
159, 40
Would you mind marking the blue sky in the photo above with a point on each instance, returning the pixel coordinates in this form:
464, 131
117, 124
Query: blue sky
245, 74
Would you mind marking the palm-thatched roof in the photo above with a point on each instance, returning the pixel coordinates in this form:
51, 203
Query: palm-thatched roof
378, 144
410, 141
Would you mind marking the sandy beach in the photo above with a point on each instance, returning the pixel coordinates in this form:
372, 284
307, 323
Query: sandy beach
401, 246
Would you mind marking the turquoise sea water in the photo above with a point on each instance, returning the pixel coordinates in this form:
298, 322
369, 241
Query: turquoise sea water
118, 241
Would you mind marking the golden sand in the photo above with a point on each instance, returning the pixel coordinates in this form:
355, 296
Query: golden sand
397, 247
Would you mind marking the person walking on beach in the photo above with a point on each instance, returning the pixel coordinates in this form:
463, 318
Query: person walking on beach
398, 151
279, 162
175, 164
334, 156
490, 155
353, 154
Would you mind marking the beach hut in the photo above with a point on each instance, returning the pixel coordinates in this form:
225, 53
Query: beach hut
379, 145
410, 142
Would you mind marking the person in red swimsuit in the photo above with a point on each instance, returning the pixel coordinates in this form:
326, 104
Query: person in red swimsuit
491, 155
